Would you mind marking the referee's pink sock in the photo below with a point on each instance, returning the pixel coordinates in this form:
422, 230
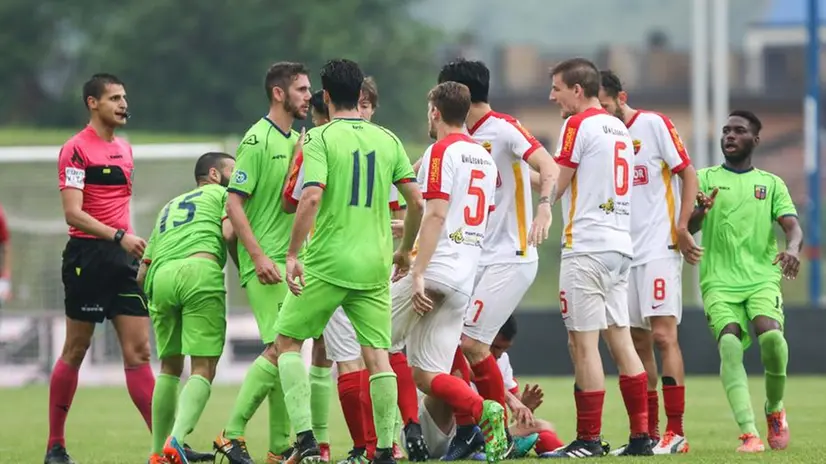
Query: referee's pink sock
62, 387
140, 382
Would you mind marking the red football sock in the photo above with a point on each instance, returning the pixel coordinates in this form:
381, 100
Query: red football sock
349, 391
453, 391
635, 395
460, 366
488, 380
674, 399
547, 441
62, 389
408, 397
140, 382
653, 414
589, 414
367, 413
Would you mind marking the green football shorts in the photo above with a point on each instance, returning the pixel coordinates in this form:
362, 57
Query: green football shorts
188, 308
304, 317
723, 308
266, 301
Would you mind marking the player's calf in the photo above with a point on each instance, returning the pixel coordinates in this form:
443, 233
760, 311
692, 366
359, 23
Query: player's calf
664, 330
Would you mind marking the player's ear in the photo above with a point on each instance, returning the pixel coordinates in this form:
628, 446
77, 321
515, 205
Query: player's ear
622, 96
326, 97
278, 93
756, 140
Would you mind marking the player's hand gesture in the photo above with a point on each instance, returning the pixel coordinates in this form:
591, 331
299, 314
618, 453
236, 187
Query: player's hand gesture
522, 414
789, 263
133, 245
295, 271
541, 224
401, 260
706, 201
688, 247
532, 396
422, 303
266, 271
397, 227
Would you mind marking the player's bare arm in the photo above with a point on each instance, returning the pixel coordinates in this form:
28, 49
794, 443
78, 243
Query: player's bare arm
142, 270
698, 214
566, 174
231, 239
72, 200
304, 218
789, 259
548, 172
690, 187
431, 228
264, 267
412, 221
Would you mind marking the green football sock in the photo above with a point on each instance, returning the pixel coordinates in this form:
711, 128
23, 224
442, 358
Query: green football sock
279, 419
296, 386
735, 382
321, 388
258, 382
164, 402
384, 393
774, 351
193, 400
397, 430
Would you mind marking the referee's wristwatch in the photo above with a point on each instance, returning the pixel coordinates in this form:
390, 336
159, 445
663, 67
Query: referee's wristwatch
119, 235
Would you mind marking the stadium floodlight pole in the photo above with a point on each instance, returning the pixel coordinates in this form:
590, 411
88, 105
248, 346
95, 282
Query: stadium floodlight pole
720, 71
811, 106
699, 100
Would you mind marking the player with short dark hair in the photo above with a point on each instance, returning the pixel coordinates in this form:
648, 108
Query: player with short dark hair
5, 259
509, 261
351, 163
665, 189
254, 208
740, 273
182, 274
320, 114
100, 262
595, 151
458, 179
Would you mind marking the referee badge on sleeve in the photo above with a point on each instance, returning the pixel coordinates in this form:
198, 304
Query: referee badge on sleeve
240, 177
760, 192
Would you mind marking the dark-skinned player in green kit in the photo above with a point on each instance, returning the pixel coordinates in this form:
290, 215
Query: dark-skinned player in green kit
741, 270
349, 167
263, 229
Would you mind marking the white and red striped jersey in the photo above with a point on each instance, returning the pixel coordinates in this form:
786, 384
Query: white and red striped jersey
510, 145
596, 206
659, 154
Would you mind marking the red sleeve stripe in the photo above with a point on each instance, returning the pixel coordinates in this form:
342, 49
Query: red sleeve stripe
434, 171
514, 390
676, 140
288, 197
406, 180
394, 206
530, 151
435, 195
568, 140
681, 167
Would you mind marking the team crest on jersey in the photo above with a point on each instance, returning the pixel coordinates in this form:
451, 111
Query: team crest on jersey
637, 144
240, 177
760, 192
608, 206
487, 146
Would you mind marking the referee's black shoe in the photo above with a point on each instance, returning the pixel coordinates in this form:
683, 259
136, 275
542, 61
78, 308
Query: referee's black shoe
58, 455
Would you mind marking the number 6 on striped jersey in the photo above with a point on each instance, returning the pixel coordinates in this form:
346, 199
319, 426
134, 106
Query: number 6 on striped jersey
620, 179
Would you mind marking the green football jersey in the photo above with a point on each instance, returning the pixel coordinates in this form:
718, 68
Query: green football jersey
188, 224
738, 232
356, 162
261, 166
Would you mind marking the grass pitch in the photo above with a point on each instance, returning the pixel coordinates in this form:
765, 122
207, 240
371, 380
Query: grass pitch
104, 426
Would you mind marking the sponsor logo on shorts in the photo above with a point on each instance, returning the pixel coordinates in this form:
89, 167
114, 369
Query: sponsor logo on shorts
240, 177
92, 309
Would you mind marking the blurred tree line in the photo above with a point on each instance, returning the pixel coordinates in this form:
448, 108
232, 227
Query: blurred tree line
198, 65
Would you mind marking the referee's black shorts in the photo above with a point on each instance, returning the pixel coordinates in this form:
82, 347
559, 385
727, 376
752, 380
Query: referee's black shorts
99, 281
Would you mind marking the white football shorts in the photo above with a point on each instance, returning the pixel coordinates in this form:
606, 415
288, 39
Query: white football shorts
498, 290
340, 338
593, 291
655, 289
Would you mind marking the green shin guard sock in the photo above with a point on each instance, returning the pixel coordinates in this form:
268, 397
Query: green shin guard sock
321, 388
296, 387
397, 430
774, 352
279, 420
735, 382
164, 402
384, 393
192, 402
258, 382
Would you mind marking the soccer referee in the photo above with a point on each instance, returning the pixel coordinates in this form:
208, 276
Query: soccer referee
100, 261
